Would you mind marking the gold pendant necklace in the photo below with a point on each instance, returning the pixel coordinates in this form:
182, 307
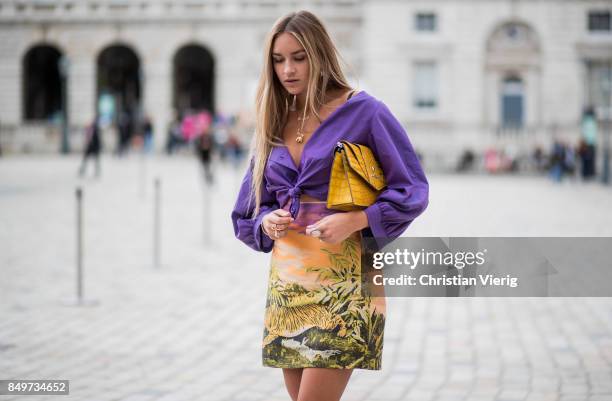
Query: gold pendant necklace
300, 135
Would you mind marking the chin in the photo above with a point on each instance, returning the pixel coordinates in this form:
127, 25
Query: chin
294, 91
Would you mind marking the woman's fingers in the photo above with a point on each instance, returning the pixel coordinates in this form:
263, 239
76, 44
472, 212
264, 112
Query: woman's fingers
277, 222
280, 216
317, 229
278, 227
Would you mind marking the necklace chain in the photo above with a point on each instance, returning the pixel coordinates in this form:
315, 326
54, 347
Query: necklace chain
300, 135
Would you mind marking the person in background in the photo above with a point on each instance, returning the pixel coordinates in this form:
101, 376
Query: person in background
587, 145
557, 160
124, 130
147, 134
539, 160
569, 160
204, 145
466, 162
93, 146
175, 136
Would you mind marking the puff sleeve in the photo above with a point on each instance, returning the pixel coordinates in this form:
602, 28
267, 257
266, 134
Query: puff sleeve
407, 193
246, 228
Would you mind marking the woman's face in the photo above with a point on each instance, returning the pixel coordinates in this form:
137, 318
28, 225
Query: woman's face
290, 63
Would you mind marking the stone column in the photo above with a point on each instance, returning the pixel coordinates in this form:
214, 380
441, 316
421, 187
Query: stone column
157, 101
81, 89
11, 59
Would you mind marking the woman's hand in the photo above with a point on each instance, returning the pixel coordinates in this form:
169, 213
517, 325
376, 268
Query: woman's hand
275, 223
337, 227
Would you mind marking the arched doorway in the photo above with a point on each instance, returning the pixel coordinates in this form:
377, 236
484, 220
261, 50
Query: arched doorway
119, 90
512, 103
42, 83
194, 75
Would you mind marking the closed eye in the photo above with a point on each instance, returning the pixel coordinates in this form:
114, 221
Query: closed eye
298, 59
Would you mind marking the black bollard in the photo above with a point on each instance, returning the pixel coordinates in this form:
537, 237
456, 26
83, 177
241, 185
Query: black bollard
79, 199
206, 213
80, 276
157, 224
142, 174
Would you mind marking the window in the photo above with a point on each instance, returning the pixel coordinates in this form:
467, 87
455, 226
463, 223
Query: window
425, 22
512, 102
425, 85
599, 21
598, 83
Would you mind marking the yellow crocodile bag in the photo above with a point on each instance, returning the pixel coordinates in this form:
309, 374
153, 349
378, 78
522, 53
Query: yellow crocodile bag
356, 178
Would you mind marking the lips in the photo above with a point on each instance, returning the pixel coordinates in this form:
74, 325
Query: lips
291, 81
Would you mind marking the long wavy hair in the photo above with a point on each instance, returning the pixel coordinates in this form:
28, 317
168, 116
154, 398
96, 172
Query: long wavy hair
272, 101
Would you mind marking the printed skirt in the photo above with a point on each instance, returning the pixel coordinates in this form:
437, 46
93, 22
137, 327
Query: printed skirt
319, 312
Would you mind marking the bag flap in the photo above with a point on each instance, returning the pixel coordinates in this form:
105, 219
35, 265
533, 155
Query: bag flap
362, 161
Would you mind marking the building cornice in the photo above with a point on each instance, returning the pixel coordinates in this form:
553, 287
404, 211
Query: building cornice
161, 11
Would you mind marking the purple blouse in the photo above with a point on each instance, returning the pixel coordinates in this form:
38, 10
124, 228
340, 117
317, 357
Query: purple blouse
362, 119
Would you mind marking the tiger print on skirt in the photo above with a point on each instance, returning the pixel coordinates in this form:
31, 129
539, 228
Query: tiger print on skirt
316, 312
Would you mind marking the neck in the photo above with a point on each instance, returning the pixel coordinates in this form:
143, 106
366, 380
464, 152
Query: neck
300, 102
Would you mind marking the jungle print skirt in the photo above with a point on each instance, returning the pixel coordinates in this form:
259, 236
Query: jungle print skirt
316, 312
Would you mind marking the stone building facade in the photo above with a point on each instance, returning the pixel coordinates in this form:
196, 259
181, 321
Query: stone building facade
458, 74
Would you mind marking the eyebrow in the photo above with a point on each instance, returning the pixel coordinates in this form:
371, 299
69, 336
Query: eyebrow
295, 52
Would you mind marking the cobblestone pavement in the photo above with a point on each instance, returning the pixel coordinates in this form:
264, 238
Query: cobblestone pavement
191, 328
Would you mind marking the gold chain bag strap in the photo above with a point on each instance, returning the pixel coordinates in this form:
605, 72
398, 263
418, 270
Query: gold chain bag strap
356, 178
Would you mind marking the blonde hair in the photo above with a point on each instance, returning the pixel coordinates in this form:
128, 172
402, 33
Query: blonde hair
272, 101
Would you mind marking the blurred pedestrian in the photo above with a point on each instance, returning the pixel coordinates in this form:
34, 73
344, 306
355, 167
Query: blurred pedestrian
557, 161
93, 146
175, 137
194, 124
235, 149
221, 134
587, 147
539, 159
124, 131
204, 147
147, 135
466, 161
569, 160
587, 160
491, 160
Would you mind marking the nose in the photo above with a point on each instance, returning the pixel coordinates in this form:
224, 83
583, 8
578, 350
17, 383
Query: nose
288, 68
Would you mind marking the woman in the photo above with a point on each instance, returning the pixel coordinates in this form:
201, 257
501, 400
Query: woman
319, 325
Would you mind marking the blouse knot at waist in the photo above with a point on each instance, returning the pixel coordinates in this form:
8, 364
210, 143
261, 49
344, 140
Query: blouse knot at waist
295, 193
